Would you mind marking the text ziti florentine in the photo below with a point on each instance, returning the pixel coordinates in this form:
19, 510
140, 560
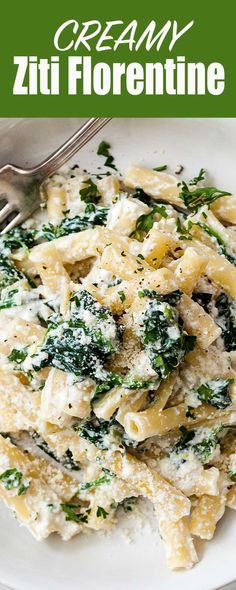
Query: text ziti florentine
171, 77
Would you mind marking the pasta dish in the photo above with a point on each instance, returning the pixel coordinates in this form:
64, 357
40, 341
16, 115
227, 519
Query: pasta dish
118, 356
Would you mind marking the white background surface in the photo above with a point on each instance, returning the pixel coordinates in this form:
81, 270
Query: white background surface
109, 563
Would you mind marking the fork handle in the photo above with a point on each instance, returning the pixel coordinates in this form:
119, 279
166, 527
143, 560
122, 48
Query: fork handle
69, 148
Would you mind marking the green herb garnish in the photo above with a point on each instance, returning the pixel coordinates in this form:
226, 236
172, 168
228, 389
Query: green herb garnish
95, 483
195, 199
103, 150
101, 512
198, 178
145, 222
89, 193
184, 232
72, 513
160, 168
12, 479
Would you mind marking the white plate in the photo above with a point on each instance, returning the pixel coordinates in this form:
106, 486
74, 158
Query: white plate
96, 562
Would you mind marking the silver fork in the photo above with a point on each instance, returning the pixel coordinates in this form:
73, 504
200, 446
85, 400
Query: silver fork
19, 188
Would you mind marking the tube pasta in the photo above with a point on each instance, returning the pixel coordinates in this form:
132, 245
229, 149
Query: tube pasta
53, 274
206, 216
189, 270
225, 209
155, 246
156, 184
124, 213
61, 398
151, 423
149, 484
108, 187
56, 203
123, 264
118, 363
180, 550
207, 512
43, 484
198, 322
17, 412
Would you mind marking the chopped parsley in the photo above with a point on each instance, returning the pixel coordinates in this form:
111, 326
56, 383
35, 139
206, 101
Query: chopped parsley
184, 232
12, 479
199, 178
89, 193
145, 222
73, 513
121, 296
160, 168
195, 199
95, 483
18, 355
101, 512
103, 150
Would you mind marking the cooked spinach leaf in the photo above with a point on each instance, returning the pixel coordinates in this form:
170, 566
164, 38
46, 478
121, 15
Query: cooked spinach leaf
67, 460
163, 337
203, 299
202, 446
226, 319
18, 355
103, 433
222, 247
171, 298
93, 215
9, 274
94, 431
19, 237
215, 392
80, 345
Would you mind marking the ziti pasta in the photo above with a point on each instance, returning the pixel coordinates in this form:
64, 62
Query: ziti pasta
117, 340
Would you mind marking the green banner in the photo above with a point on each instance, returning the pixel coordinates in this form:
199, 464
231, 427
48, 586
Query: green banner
161, 59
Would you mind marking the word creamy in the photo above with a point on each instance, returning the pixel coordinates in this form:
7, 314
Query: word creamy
73, 35
171, 77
